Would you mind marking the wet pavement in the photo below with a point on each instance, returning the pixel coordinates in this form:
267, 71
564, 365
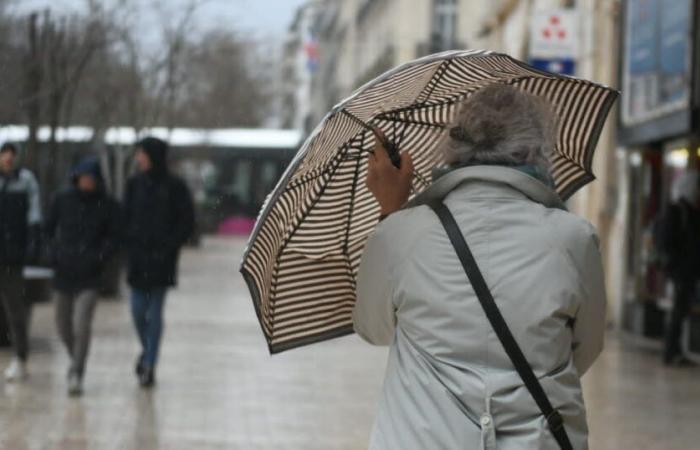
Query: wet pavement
219, 389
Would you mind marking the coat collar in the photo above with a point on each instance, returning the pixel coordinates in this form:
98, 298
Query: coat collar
11, 175
506, 176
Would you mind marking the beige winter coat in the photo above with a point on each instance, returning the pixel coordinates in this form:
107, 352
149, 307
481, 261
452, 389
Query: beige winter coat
449, 384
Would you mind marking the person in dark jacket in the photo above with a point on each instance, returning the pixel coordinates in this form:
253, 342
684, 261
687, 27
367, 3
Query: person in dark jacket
20, 218
681, 244
159, 219
83, 228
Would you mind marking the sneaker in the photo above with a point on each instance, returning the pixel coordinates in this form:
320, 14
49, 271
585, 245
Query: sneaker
148, 377
75, 384
17, 370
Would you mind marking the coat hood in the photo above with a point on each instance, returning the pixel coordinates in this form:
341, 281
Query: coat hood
88, 166
512, 178
157, 151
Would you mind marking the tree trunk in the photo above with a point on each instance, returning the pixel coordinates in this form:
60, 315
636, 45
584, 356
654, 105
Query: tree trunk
33, 70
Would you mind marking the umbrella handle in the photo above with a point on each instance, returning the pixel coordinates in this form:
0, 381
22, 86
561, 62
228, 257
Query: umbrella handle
391, 148
393, 152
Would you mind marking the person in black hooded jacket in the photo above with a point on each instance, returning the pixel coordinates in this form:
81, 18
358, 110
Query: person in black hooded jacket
82, 229
20, 219
159, 219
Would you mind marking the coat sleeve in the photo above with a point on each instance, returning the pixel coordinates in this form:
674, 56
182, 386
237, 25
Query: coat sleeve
34, 210
112, 232
184, 206
126, 207
51, 222
374, 316
670, 230
589, 325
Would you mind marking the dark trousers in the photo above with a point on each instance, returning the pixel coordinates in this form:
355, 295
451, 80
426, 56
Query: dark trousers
4, 329
147, 312
684, 292
74, 313
12, 299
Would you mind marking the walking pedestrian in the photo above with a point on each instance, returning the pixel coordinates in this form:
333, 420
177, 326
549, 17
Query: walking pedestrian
20, 231
680, 245
159, 217
454, 379
83, 229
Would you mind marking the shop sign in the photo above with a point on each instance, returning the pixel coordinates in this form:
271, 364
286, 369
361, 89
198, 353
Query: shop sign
554, 40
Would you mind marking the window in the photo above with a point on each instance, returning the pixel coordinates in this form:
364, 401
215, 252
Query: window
444, 25
240, 185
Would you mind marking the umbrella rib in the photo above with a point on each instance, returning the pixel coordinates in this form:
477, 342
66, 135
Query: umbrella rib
312, 175
368, 127
290, 236
457, 97
422, 105
356, 119
326, 171
393, 118
392, 114
352, 200
571, 160
420, 178
441, 71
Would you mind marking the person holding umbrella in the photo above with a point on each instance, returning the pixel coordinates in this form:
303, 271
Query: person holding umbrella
490, 294
159, 219
504, 145
82, 227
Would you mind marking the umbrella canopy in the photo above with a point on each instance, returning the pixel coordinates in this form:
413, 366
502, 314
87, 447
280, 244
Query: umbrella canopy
302, 259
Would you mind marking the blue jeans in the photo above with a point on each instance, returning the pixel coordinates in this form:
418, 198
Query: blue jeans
147, 311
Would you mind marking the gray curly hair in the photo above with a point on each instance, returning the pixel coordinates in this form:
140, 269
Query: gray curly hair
502, 125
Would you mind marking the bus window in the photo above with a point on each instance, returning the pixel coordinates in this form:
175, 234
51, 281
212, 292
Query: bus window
266, 183
240, 186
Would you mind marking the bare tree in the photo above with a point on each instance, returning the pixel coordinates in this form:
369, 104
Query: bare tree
33, 72
94, 69
227, 84
11, 68
176, 45
72, 42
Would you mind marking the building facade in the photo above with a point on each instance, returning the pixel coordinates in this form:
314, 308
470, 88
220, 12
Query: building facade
299, 64
360, 39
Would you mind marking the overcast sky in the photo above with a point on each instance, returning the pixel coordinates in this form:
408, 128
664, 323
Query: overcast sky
264, 19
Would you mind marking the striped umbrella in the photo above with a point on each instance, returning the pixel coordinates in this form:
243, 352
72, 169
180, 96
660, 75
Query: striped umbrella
302, 259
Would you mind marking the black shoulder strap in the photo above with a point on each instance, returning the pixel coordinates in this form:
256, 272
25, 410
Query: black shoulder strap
554, 419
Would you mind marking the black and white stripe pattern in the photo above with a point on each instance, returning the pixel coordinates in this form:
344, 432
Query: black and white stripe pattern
303, 256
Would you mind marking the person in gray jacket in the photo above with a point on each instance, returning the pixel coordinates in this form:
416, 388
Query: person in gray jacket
449, 383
